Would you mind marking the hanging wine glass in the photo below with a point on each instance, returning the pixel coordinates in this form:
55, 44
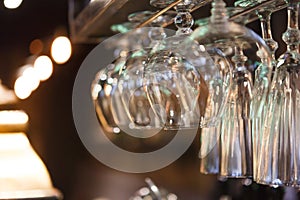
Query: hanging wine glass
131, 95
171, 82
203, 61
264, 16
172, 86
105, 84
101, 89
209, 153
106, 80
130, 86
279, 158
241, 46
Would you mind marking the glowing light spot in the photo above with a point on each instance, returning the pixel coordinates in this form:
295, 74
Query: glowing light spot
12, 4
36, 47
22, 88
13, 117
107, 90
32, 78
43, 67
202, 48
95, 91
116, 130
61, 49
144, 191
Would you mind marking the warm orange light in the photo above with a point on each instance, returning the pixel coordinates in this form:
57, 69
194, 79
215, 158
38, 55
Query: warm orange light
22, 88
43, 67
21, 169
61, 49
16, 117
32, 77
36, 47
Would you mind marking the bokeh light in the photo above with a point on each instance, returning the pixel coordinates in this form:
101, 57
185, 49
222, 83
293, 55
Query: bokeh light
61, 49
13, 117
36, 47
12, 4
31, 76
22, 88
43, 67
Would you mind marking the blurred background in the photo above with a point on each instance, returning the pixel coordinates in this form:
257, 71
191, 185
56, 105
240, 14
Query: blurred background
52, 133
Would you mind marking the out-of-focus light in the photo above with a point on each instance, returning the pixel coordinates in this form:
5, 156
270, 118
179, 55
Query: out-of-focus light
23, 174
13, 117
22, 88
32, 77
12, 4
43, 67
61, 49
36, 47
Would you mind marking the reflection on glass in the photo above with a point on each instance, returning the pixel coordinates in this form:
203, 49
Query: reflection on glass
240, 46
279, 158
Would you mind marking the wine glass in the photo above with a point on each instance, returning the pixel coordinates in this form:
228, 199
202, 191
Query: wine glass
105, 83
131, 96
264, 16
102, 87
209, 153
111, 111
211, 66
279, 158
240, 45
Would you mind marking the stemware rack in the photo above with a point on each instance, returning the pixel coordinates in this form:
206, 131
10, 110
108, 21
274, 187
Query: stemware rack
90, 22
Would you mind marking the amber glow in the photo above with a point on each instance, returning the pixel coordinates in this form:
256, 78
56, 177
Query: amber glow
31, 77
36, 47
43, 67
13, 117
20, 167
22, 88
61, 49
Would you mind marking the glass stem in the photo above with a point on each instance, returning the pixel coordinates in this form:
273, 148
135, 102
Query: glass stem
292, 35
265, 22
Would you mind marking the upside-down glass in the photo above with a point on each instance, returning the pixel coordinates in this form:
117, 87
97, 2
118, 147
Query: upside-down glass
209, 153
264, 16
106, 80
279, 156
192, 109
240, 45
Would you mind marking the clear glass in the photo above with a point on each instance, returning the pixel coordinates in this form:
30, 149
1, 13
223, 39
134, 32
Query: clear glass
105, 85
241, 46
209, 153
102, 88
279, 159
212, 70
171, 82
172, 85
264, 16
132, 98
130, 105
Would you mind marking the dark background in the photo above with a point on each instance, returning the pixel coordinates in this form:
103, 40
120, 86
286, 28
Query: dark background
52, 132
